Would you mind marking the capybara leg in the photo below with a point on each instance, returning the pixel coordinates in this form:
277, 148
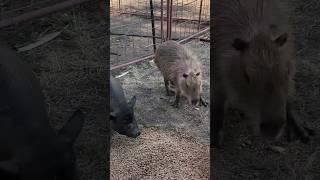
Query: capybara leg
177, 100
166, 83
293, 125
203, 102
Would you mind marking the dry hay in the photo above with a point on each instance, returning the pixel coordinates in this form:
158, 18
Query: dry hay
159, 154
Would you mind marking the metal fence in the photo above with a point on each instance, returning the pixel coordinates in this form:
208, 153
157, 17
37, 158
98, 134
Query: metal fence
138, 27
14, 12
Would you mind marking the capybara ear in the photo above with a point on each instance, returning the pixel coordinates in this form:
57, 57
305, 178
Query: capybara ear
240, 45
281, 40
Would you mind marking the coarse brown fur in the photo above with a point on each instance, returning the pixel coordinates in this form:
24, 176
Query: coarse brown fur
182, 70
254, 66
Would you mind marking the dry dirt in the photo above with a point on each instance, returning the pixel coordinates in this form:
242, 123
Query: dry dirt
188, 128
159, 154
243, 158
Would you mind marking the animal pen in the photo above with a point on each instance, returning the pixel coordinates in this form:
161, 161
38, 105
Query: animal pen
138, 27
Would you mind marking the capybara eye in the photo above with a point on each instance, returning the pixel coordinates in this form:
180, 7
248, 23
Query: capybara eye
185, 75
198, 74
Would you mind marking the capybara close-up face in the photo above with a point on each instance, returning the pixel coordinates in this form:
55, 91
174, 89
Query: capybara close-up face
264, 87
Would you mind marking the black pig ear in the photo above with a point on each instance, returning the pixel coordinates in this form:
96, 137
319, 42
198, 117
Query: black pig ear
281, 40
240, 45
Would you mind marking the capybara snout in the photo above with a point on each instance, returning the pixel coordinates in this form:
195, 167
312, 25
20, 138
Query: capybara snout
192, 87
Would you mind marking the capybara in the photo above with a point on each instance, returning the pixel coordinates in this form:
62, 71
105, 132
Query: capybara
122, 113
181, 69
254, 66
29, 147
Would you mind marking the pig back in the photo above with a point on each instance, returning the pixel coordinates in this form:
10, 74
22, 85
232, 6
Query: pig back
117, 98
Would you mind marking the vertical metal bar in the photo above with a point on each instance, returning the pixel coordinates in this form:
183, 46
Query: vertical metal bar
119, 4
168, 17
153, 29
200, 11
161, 21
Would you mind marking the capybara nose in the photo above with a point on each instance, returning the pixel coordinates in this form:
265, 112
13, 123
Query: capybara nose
194, 101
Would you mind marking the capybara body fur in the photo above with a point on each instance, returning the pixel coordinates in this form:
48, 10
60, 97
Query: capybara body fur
254, 67
182, 70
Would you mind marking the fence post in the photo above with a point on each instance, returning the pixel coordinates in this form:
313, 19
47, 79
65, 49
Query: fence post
153, 28
168, 17
200, 11
161, 21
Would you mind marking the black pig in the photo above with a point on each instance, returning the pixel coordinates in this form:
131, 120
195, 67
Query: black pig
122, 113
29, 148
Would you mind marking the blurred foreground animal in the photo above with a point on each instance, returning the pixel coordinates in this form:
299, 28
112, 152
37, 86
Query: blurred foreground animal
29, 148
254, 68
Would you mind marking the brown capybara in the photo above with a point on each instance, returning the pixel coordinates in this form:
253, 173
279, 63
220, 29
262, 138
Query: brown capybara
181, 70
254, 68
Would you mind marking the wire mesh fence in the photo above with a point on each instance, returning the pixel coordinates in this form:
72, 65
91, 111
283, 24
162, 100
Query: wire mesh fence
138, 27
9, 8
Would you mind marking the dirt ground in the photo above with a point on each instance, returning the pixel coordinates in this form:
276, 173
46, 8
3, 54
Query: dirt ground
242, 158
159, 153
72, 70
153, 110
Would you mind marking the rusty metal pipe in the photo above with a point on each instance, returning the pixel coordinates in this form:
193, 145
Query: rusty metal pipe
132, 62
170, 29
159, 17
200, 11
194, 35
161, 20
168, 18
153, 28
40, 12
